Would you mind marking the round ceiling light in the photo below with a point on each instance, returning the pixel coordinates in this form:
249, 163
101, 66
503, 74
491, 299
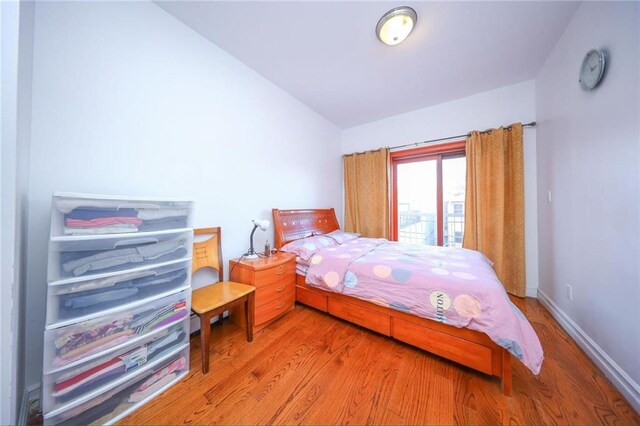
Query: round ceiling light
396, 25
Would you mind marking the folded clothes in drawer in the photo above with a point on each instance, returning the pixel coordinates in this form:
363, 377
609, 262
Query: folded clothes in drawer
83, 262
70, 343
120, 225
93, 216
81, 257
69, 301
109, 404
63, 386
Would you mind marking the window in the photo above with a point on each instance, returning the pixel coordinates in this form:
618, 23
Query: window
428, 195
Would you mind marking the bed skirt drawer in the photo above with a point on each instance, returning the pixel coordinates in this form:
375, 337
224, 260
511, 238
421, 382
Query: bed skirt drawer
372, 320
458, 350
311, 298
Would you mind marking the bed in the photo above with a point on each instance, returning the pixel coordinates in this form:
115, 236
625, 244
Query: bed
465, 346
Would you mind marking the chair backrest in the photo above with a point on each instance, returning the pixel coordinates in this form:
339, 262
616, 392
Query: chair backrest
208, 253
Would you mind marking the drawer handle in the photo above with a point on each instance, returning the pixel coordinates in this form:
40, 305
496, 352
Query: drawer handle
135, 241
278, 290
280, 306
280, 270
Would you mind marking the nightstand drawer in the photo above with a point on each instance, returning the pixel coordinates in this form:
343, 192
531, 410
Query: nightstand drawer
275, 307
277, 273
277, 290
274, 278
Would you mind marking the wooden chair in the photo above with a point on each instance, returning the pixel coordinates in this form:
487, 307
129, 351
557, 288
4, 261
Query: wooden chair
215, 298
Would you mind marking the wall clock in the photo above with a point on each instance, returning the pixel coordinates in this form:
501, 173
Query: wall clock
592, 69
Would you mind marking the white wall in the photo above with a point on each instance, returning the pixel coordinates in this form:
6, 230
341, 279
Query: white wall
25, 73
9, 18
478, 112
128, 100
15, 110
589, 157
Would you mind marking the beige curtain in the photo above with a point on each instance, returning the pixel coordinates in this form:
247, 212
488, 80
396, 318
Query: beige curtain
494, 203
366, 189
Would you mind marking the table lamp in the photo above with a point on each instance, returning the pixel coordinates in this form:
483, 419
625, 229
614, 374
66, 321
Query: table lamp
262, 224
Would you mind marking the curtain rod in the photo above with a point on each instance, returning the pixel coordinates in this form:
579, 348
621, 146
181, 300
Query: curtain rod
532, 124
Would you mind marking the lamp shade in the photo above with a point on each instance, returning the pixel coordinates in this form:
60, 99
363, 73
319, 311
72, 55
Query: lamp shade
257, 223
396, 25
262, 224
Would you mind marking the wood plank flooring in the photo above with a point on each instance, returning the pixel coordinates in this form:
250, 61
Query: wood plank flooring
310, 368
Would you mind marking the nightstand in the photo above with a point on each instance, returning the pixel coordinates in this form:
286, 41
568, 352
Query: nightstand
274, 278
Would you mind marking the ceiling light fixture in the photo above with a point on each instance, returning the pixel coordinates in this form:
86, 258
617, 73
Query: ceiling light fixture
396, 25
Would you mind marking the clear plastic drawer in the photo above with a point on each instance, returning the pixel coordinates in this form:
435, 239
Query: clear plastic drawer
74, 257
78, 214
64, 387
73, 301
110, 403
87, 340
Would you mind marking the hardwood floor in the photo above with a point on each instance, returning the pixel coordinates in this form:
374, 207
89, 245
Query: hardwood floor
311, 368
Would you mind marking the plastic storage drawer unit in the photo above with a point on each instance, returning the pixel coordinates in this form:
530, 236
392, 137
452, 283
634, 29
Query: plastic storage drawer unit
75, 300
64, 386
108, 404
96, 215
83, 340
82, 257
118, 303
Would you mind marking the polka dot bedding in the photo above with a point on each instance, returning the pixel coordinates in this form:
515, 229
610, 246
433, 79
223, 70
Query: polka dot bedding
307, 247
450, 285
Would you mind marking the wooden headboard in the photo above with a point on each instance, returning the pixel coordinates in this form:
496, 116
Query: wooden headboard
290, 225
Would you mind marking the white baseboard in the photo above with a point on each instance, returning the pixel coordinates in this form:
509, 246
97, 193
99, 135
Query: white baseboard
531, 292
620, 379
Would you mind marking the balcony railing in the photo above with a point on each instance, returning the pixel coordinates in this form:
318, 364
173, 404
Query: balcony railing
421, 228
453, 231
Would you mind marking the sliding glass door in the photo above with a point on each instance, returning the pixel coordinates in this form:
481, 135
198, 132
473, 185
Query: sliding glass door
453, 186
428, 195
417, 204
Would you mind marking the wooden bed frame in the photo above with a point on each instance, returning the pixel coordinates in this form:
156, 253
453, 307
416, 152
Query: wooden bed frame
467, 347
